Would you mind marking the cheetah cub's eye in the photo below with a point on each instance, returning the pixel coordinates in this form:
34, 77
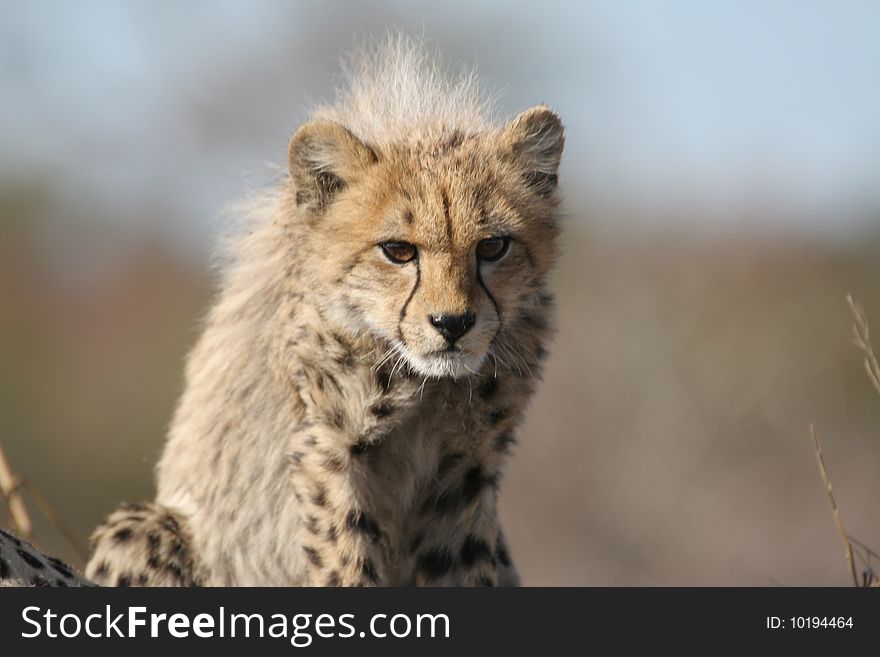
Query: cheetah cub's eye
399, 252
493, 248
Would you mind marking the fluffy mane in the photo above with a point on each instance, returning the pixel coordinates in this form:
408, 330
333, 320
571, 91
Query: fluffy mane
398, 90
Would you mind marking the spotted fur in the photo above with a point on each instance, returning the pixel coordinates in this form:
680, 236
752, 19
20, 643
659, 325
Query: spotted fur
329, 434
140, 545
21, 564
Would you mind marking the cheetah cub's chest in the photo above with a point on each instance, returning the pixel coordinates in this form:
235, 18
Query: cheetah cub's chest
424, 493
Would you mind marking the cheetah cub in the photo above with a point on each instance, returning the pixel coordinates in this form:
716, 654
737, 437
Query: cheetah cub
377, 336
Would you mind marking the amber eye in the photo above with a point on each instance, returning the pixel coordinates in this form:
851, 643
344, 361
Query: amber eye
399, 252
492, 249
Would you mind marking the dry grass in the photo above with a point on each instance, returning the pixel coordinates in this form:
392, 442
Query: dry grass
11, 487
861, 339
834, 508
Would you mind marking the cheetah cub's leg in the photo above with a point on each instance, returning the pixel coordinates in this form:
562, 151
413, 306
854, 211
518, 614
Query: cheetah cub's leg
142, 545
458, 541
342, 541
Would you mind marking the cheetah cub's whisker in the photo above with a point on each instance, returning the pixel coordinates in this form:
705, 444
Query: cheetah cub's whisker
376, 338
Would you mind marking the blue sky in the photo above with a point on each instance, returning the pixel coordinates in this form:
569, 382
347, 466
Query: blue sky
726, 103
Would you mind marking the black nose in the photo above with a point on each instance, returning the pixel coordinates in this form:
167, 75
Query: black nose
452, 327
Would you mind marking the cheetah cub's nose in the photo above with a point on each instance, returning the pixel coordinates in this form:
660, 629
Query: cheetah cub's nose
452, 327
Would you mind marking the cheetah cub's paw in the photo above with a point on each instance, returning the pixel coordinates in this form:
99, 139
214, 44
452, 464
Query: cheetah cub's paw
142, 545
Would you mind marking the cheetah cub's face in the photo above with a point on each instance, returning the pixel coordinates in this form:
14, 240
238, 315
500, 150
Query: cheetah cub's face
438, 246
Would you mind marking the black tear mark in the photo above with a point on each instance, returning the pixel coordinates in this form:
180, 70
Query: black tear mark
436, 562
403, 309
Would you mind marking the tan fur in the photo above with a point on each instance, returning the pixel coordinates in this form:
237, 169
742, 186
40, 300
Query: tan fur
324, 436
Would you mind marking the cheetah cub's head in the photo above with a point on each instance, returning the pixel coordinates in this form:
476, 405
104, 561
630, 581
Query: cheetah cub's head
438, 246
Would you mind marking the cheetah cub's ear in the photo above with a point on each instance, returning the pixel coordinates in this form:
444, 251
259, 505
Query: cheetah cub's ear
533, 140
324, 157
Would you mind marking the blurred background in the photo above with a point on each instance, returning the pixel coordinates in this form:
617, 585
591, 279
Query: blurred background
721, 176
